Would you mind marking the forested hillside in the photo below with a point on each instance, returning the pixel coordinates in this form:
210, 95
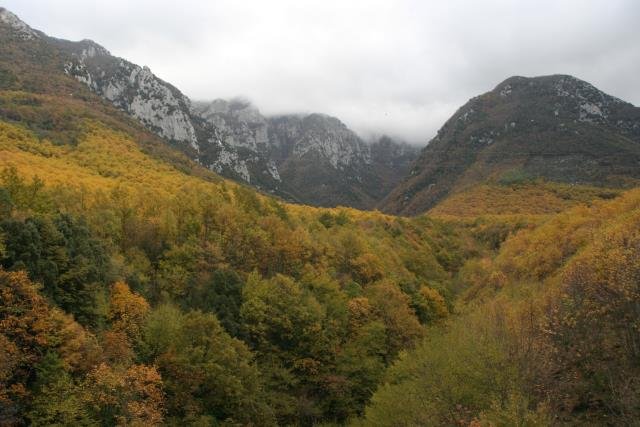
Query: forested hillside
150, 294
134, 292
547, 332
139, 288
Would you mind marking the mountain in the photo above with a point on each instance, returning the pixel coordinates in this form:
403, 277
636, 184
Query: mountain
315, 158
557, 128
138, 287
312, 159
161, 108
319, 155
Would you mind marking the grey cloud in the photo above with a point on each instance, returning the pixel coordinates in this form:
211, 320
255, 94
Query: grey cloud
399, 67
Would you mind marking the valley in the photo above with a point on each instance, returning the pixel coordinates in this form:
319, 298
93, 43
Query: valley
165, 261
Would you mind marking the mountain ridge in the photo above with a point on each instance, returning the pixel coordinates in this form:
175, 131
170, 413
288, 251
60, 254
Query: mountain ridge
556, 127
138, 287
222, 138
316, 158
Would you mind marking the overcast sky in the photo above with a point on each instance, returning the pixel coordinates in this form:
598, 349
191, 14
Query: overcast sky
400, 67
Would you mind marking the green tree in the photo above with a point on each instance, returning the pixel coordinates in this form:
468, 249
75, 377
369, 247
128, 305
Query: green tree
57, 399
23, 195
283, 323
206, 372
222, 295
64, 257
390, 305
449, 378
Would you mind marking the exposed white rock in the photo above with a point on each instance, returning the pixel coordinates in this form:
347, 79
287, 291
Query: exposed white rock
331, 139
560, 89
483, 139
21, 29
506, 90
173, 124
92, 50
113, 90
589, 112
230, 137
241, 123
273, 171
467, 115
594, 105
230, 159
138, 91
164, 110
244, 126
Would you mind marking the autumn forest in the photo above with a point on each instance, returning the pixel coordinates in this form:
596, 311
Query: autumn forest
138, 287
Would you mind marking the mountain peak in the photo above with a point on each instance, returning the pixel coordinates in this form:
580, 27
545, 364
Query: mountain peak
558, 128
546, 79
18, 26
560, 85
91, 48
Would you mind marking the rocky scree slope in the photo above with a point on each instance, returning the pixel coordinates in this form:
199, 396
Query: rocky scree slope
558, 128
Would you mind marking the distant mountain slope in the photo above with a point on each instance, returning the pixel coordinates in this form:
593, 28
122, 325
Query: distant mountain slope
317, 159
558, 128
313, 159
320, 158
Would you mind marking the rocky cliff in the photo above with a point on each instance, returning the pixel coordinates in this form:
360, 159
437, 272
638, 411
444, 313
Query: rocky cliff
316, 158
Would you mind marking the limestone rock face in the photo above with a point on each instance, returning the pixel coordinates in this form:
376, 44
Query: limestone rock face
136, 90
320, 135
20, 29
241, 122
158, 105
312, 158
315, 158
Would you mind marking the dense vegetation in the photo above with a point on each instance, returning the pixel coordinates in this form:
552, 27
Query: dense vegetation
137, 288
184, 300
547, 332
132, 292
526, 129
